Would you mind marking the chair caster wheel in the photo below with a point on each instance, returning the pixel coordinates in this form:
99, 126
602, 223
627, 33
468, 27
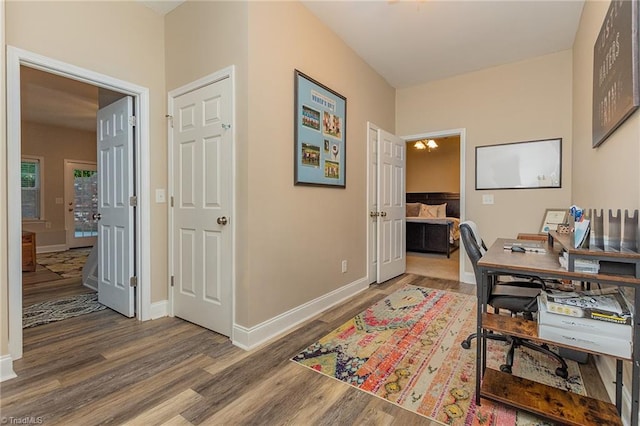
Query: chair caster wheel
465, 344
507, 369
562, 372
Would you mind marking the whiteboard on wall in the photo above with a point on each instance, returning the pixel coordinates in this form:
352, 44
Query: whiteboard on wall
531, 164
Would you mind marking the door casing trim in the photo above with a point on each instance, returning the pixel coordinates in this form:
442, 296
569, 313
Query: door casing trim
15, 58
228, 72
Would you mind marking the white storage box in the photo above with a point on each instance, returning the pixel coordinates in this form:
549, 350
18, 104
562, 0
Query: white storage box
620, 348
586, 325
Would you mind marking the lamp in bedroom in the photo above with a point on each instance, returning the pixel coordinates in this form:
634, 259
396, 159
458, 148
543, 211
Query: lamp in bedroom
426, 144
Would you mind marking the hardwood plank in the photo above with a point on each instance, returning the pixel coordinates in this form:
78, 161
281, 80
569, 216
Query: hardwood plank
166, 409
177, 421
105, 368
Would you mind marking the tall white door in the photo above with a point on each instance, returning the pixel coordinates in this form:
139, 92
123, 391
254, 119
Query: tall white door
391, 206
81, 203
115, 213
372, 200
202, 157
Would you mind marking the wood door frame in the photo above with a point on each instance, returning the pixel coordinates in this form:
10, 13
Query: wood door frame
70, 225
228, 72
15, 58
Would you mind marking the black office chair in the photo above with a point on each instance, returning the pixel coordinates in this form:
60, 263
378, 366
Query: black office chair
517, 296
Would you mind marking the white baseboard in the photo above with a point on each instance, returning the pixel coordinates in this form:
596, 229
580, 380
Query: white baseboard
6, 368
252, 337
607, 369
51, 249
159, 309
468, 277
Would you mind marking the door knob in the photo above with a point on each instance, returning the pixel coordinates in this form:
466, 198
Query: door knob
222, 220
383, 214
373, 214
97, 216
70, 210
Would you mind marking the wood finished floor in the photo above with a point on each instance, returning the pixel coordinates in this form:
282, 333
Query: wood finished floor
102, 368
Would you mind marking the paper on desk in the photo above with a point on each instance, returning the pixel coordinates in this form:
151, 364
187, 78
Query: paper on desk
581, 231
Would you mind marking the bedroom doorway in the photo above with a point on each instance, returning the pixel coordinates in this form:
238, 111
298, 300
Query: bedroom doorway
429, 264
435, 176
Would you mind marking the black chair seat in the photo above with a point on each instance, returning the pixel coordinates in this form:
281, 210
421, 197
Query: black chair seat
517, 295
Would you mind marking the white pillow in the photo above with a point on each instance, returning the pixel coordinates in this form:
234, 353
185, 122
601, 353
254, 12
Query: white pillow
427, 211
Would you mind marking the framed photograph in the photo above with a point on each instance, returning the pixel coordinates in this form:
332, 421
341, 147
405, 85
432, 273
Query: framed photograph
552, 218
518, 165
320, 134
616, 69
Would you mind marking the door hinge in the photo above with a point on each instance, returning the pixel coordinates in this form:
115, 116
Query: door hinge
172, 201
133, 281
171, 280
133, 121
170, 117
133, 201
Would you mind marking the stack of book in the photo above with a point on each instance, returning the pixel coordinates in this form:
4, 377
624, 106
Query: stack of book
590, 266
597, 321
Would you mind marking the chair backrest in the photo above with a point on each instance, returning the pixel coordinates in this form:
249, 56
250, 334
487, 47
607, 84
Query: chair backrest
473, 245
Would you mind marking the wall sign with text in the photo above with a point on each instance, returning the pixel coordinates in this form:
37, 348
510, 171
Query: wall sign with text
616, 92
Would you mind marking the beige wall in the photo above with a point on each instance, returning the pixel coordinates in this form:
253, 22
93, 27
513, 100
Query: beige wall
608, 176
437, 170
281, 262
220, 30
521, 101
124, 40
299, 235
55, 144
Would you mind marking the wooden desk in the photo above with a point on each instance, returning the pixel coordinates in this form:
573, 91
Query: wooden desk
560, 406
28, 251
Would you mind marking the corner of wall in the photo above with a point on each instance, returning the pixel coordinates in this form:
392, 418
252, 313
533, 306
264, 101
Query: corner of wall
249, 338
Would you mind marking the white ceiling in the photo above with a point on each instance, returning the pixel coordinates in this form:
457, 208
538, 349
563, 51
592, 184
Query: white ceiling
413, 42
407, 42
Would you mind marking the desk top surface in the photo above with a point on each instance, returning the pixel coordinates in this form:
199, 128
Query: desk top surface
544, 264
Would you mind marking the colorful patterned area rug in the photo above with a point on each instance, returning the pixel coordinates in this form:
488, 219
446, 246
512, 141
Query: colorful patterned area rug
406, 349
67, 264
60, 309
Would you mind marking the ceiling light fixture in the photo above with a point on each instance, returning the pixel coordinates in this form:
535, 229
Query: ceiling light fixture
426, 144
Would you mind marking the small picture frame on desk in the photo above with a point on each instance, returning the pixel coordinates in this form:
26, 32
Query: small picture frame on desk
551, 219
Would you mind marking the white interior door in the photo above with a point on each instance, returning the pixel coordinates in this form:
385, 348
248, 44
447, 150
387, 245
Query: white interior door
81, 203
372, 200
391, 221
115, 213
202, 157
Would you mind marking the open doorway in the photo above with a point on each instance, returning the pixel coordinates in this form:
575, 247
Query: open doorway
435, 203
17, 58
59, 189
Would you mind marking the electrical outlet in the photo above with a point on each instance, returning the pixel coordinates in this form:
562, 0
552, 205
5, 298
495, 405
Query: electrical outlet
344, 266
47, 225
487, 199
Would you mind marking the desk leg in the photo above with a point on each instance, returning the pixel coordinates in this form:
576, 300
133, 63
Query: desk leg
635, 373
479, 336
619, 385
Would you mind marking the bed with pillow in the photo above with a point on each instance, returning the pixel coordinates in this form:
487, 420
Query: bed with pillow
433, 220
